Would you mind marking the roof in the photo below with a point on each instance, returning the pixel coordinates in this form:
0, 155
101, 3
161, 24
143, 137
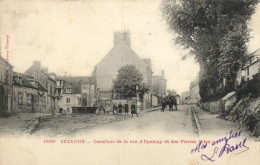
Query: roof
81, 79
75, 82
252, 63
253, 53
6, 61
26, 83
48, 76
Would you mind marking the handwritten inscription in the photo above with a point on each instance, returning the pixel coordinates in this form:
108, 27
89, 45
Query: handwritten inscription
226, 149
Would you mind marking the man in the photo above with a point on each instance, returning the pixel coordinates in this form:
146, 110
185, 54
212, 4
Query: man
133, 110
120, 107
126, 109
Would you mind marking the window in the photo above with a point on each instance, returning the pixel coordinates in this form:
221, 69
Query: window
20, 98
68, 100
29, 99
68, 90
79, 101
36, 100
43, 100
50, 89
247, 70
10, 79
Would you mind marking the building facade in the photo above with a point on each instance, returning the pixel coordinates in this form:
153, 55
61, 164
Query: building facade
107, 69
159, 85
29, 95
252, 66
185, 97
120, 55
75, 92
42, 76
6, 83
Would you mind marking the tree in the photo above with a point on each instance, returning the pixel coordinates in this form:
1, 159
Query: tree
171, 93
128, 78
142, 90
216, 32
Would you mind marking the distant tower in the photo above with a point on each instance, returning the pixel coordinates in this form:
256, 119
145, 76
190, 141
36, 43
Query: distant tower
122, 38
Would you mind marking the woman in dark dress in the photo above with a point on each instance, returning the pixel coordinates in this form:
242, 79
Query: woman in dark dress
120, 108
115, 109
126, 109
133, 110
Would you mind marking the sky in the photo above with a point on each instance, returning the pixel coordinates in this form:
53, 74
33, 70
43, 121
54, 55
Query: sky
71, 36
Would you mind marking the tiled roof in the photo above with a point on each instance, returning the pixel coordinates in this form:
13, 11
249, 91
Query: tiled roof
48, 76
1, 58
75, 82
26, 83
254, 53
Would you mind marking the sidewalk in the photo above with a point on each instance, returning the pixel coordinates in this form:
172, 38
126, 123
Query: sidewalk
16, 123
211, 124
151, 109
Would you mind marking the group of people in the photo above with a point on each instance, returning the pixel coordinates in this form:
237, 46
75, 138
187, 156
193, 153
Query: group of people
118, 109
169, 101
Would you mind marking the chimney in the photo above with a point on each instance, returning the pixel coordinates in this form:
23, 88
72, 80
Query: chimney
37, 64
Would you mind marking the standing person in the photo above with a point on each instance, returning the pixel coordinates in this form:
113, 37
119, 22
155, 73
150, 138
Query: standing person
101, 108
163, 104
133, 110
126, 109
107, 107
115, 109
120, 107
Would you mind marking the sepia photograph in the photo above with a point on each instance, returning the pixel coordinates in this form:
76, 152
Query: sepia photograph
129, 82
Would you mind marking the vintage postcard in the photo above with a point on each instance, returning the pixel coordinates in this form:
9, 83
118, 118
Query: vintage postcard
129, 82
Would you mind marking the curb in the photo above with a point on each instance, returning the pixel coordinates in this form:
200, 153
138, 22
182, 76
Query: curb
196, 120
151, 110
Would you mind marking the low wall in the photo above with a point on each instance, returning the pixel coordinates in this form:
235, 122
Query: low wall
84, 109
213, 107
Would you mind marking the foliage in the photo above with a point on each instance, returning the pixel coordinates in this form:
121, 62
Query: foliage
127, 79
142, 89
171, 93
250, 87
216, 32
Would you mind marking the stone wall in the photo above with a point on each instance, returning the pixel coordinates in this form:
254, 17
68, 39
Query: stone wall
213, 107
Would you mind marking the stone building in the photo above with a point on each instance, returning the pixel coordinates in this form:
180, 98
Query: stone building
120, 55
194, 92
42, 75
6, 76
185, 97
252, 65
75, 92
29, 95
149, 73
159, 85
